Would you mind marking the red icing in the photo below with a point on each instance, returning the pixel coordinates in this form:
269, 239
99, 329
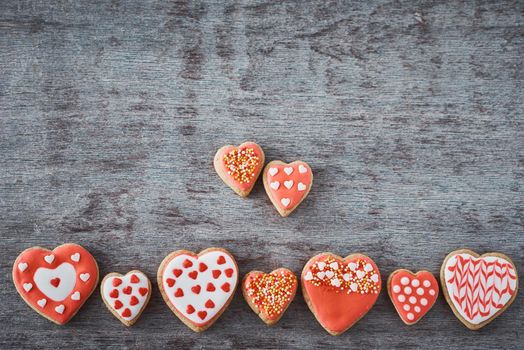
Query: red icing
187, 263
34, 258
202, 267
133, 300
193, 275
210, 287
118, 304
282, 192
228, 272
245, 186
170, 282
126, 313
338, 309
179, 293
225, 287
117, 282
216, 273
202, 314
177, 272
114, 293
417, 290
196, 289
190, 309
210, 304
143, 291
221, 260
134, 279
55, 282
127, 290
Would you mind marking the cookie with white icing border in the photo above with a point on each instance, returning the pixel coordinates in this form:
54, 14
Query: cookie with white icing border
413, 295
239, 167
55, 283
198, 287
478, 288
340, 291
287, 185
126, 296
269, 294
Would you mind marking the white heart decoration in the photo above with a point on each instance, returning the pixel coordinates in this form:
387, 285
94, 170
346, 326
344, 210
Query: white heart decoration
285, 201
75, 296
42, 302
28, 286
275, 185
273, 171
288, 170
84, 277
60, 308
301, 186
288, 184
49, 258
302, 169
22, 266
75, 257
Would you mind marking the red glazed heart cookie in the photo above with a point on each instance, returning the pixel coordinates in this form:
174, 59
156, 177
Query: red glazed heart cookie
287, 185
55, 283
340, 291
198, 288
269, 294
413, 295
239, 167
126, 296
478, 288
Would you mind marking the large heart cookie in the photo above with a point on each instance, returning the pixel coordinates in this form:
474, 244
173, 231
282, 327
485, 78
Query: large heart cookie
287, 185
55, 283
478, 287
340, 291
239, 167
269, 294
126, 296
198, 288
413, 295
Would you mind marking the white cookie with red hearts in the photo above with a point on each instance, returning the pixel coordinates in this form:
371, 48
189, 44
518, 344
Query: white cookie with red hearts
198, 287
126, 296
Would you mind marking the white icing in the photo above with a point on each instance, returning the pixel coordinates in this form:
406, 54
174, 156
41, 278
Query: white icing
22, 266
67, 275
301, 186
42, 302
334, 265
60, 309
321, 274
285, 201
420, 291
424, 301
288, 170
273, 171
374, 277
49, 258
219, 296
346, 277
85, 276
401, 298
302, 169
125, 299
28, 286
288, 184
410, 316
493, 280
404, 281
329, 274
353, 287
360, 274
396, 288
321, 265
75, 257
335, 282
352, 266
308, 276
75, 296
274, 185
426, 283
415, 283
407, 290
368, 267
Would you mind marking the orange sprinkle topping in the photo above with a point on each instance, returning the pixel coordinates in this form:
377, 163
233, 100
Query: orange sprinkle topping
354, 277
241, 164
271, 292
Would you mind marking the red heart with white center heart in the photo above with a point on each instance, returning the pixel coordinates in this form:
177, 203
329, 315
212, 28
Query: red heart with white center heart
478, 287
340, 291
55, 283
126, 296
413, 295
287, 185
269, 294
198, 288
239, 167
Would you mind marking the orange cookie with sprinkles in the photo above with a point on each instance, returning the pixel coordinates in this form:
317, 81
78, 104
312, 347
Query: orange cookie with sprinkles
239, 167
269, 294
340, 291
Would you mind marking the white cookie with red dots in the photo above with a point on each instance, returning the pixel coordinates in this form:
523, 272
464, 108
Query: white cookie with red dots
126, 296
198, 287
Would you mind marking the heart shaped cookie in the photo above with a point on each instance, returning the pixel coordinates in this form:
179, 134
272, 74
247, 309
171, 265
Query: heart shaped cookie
269, 294
55, 283
239, 167
478, 288
340, 291
413, 295
126, 296
287, 185
198, 287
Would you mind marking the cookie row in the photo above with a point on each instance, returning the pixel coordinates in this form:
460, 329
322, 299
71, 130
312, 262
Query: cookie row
286, 185
199, 287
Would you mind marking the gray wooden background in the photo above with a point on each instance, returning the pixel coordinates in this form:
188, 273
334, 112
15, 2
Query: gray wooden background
410, 113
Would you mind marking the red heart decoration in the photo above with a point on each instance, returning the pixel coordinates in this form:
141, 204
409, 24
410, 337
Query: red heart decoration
269, 294
239, 167
413, 295
340, 291
55, 283
196, 306
287, 185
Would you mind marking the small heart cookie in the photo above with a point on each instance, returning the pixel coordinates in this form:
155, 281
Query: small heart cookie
269, 294
413, 295
55, 283
478, 288
198, 287
340, 291
287, 185
239, 167
126, 296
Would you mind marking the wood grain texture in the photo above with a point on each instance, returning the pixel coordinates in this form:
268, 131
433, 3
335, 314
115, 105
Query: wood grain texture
410, 114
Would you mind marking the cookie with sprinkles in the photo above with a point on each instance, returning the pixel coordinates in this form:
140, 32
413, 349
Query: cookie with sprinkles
239, 167
269, 294
340, 291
